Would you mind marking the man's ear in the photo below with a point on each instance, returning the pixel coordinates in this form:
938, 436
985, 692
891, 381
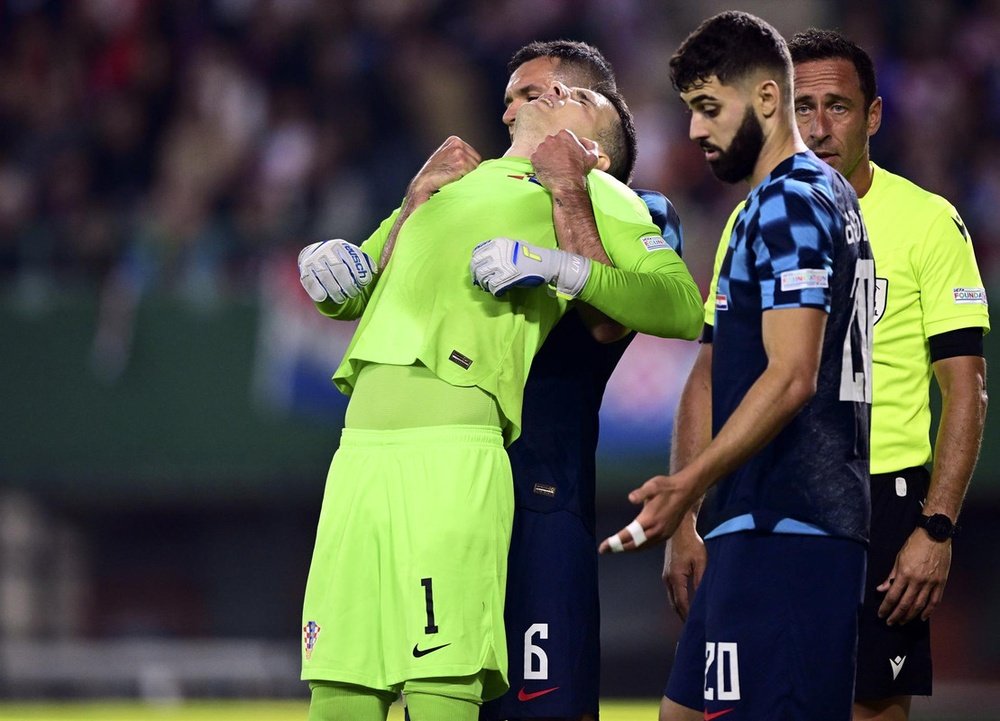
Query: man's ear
874, 116
603, 159
767, 98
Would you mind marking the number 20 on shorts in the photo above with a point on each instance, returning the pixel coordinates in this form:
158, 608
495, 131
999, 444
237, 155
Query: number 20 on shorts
722, 671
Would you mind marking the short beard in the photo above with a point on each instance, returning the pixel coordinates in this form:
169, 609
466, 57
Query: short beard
737, 162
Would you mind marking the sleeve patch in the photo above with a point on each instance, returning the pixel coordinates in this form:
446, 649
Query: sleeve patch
654, 242
965, 296
805, 278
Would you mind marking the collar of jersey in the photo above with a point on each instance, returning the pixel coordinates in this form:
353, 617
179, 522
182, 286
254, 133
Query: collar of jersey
520, 165
782, 168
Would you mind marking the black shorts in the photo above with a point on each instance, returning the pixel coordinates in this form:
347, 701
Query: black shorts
892, 660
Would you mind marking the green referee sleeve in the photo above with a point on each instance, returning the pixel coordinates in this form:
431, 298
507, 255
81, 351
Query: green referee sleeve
663, 301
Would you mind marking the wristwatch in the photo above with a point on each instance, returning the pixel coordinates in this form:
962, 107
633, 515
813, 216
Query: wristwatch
939, 526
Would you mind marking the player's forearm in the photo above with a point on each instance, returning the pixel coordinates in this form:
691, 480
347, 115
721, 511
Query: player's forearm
960, 433
576, 232
415, 197
770, 403
573, 219
664, 303
693, 424
692, 430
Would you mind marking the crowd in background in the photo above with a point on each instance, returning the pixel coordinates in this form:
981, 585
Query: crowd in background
177, 144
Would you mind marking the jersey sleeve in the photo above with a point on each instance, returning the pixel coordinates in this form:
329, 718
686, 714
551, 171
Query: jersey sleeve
648, 288
793, 247
355, 306
664, 216
951, 288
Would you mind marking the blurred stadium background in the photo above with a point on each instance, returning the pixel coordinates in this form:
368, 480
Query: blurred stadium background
167, 418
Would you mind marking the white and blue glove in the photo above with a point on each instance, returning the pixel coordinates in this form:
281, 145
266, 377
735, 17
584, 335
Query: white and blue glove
502, 263
334, 269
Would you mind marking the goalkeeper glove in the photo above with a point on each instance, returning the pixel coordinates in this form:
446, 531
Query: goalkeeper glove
501, 263
334, 269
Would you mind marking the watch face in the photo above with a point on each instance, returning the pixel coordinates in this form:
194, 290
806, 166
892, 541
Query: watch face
939, 527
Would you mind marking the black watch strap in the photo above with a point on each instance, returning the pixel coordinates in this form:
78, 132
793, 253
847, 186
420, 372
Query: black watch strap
938, 526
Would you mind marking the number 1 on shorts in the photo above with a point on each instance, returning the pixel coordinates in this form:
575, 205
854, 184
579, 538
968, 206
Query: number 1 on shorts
431, 627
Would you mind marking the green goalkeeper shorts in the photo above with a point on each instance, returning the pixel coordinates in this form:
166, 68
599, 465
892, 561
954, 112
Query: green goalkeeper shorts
410, 564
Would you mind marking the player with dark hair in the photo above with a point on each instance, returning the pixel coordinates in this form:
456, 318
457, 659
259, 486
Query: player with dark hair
552, 608
405, 589
930, 316
580, 62
773, 627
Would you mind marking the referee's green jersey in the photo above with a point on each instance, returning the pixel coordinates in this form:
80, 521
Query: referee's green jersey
424, 307
927, 283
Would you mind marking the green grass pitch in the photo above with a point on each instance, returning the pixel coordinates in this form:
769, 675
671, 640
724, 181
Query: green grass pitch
611, 710
238, 711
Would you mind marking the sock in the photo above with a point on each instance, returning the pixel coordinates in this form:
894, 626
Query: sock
431, 707
332, 701
444, 699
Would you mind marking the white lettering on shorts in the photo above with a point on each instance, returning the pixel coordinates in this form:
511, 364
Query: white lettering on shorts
533, 651
723, 681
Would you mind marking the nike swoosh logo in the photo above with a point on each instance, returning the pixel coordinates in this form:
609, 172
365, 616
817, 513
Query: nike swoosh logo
417, 653
710, 716
523, 695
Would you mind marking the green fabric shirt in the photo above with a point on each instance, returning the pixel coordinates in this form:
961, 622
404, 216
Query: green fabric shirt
927, 282
423, 307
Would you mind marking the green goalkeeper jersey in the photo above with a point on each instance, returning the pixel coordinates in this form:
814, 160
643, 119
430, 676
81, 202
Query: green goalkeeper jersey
424, 308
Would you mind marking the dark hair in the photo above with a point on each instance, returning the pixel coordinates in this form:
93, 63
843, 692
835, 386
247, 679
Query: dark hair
592, 67
816, 44
619, 141
730, 46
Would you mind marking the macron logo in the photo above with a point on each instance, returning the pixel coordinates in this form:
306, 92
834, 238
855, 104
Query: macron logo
897, 665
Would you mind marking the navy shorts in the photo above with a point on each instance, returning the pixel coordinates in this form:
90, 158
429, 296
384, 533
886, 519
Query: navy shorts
552, 617
892, 660
772, 631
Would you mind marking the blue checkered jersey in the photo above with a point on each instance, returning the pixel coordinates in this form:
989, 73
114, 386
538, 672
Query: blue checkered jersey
799, 243
553, 460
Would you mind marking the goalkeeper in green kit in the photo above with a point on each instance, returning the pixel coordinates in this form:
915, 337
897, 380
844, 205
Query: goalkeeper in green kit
456, 292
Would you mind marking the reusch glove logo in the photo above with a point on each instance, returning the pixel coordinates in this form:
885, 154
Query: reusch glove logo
359, 265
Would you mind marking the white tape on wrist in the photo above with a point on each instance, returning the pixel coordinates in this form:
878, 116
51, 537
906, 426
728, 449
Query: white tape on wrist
615, 543
638, 535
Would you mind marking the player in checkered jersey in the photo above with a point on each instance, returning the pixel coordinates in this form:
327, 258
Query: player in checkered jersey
930, 316
789, 387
